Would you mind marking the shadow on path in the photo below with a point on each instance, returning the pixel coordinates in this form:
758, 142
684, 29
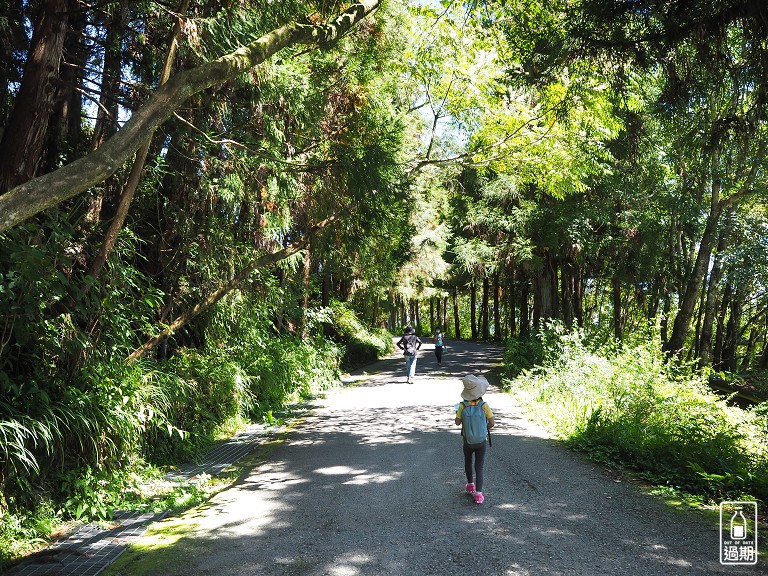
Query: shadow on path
371, 483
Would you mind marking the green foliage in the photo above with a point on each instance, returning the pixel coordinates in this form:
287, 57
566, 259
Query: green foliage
185, 399
92, 494
22, 531
522, 354
362, 345
309, 135
629, 405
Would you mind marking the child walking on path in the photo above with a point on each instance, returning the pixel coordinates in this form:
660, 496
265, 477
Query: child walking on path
439, 347
409, 344
475, 418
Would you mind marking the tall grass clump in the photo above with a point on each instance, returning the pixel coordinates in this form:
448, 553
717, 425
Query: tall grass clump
629, 405
280, 367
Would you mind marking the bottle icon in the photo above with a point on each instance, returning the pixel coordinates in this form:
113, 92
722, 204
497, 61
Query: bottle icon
738, 525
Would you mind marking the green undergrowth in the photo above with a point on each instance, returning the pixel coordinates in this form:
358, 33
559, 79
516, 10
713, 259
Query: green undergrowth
362, 345
629, 406
78, 451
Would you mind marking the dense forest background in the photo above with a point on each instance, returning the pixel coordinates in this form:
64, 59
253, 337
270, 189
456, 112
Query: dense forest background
209, 209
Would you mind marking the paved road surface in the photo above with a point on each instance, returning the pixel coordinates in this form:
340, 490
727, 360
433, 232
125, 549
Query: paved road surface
371, 483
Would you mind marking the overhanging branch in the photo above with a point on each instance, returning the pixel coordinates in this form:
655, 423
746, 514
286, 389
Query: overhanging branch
47, 191
227, 287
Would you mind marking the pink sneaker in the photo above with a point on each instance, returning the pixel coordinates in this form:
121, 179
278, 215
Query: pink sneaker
470, 488
479, 498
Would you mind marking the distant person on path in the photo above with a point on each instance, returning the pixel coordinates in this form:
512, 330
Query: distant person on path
409, 344
476, 419
439, 347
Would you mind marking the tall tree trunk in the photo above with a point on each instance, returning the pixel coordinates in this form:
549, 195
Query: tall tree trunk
567, 292
731, 343
544, 291
134, 178
456, 315
693, 351
754, 335
707, 243
496, 307
25, 137
325, 298
473, 309
578, 296
305, 286
375, 312
66, 130
554, 289
725, 305
763, 362
618, 322
710, 306
525, 321
484, 309
111, 75
512, 290
444, 322
685, 313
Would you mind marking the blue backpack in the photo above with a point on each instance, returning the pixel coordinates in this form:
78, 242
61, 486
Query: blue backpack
474, 426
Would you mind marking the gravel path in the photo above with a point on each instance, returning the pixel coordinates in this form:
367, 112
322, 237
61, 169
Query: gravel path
371, 483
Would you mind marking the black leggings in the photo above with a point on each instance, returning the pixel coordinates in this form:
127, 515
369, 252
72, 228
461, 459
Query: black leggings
479, 451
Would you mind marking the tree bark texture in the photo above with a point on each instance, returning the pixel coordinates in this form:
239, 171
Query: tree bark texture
24, 139
484, 309
473, 309
525, 317
512, 302
710, 306
728, 358
66, 129
618, 324
717, 352
496, 307
456, 317
545, 291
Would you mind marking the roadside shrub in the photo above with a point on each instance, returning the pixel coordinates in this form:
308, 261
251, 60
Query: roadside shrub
362, 344
629, 405
185, 401
522, 354
22, 530
290, 369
